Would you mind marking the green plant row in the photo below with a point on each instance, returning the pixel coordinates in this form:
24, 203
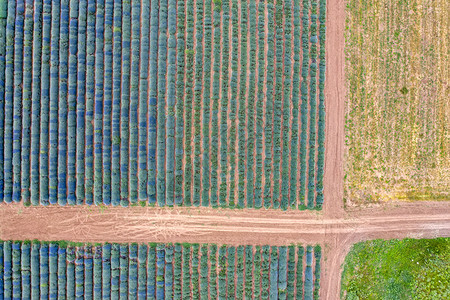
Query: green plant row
171, 100
3, 25
293, 193
143, 96
161, 103
122, 88
152, 94
251, 102
17, 99
188, 100
197, 164
72, 270
321, 122
215, 97
9, 105
231, 153
44, 102
278, 104
268, 124
80, 106
27, 105
134, 104
98, 136
259, 169
313, 106
90, 98
286, 107
179, 126
224, 103
206, 170
242, 111
304, 103
117, 135
158, 52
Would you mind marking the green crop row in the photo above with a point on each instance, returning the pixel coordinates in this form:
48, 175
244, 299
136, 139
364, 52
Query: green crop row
321, 122
224, 103
206, 106
251, 100
242, 110
179, 126
268, 124
188, 100
161, 103
198, 103
260, 126
215, 97
171, 100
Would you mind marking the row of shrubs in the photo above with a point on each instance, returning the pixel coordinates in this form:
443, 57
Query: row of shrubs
321, 126
206, 102
260, 109
86, 127
197, 164
242, 111
179, 271
224, 103
214, 153
269, 105
249, 159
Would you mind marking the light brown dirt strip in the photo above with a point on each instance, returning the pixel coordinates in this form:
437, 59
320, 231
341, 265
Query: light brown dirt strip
232, 227
136, 224
334, 109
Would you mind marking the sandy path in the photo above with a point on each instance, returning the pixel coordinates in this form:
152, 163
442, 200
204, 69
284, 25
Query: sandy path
233, 227
137, 224
334, 109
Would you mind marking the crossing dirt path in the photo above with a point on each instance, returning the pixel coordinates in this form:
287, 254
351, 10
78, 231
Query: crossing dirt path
335, 228
224, 226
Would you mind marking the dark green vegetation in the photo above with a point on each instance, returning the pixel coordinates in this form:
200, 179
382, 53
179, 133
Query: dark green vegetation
169, 102
398, 269
156, 271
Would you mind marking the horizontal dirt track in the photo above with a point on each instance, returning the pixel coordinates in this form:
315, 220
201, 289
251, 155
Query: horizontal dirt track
136, 224
223, 226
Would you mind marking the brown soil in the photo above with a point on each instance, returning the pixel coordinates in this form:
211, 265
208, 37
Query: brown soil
232, 227
334, 110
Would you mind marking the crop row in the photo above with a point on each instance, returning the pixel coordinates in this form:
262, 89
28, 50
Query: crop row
157, 271
101, 105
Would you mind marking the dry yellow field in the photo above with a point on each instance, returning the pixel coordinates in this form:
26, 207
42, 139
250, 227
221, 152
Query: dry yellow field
397, 109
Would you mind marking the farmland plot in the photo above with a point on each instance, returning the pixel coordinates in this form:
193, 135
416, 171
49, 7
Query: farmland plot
397, 110
157, 271
212, 103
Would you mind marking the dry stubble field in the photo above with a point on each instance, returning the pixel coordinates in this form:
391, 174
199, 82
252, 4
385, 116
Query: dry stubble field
397, 109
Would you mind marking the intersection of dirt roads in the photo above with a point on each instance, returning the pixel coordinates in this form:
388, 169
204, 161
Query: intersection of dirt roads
335, 228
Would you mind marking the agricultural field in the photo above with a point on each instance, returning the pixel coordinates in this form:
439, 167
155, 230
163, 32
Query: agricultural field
211, 103
211, 115
157, 271
398, 269
397, 110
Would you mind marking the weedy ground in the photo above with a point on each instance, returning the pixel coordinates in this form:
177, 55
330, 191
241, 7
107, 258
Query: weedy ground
397, 269
397, 111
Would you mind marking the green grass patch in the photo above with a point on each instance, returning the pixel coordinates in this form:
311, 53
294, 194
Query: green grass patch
397, 269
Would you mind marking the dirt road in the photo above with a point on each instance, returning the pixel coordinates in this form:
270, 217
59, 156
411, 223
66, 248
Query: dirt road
224, 226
